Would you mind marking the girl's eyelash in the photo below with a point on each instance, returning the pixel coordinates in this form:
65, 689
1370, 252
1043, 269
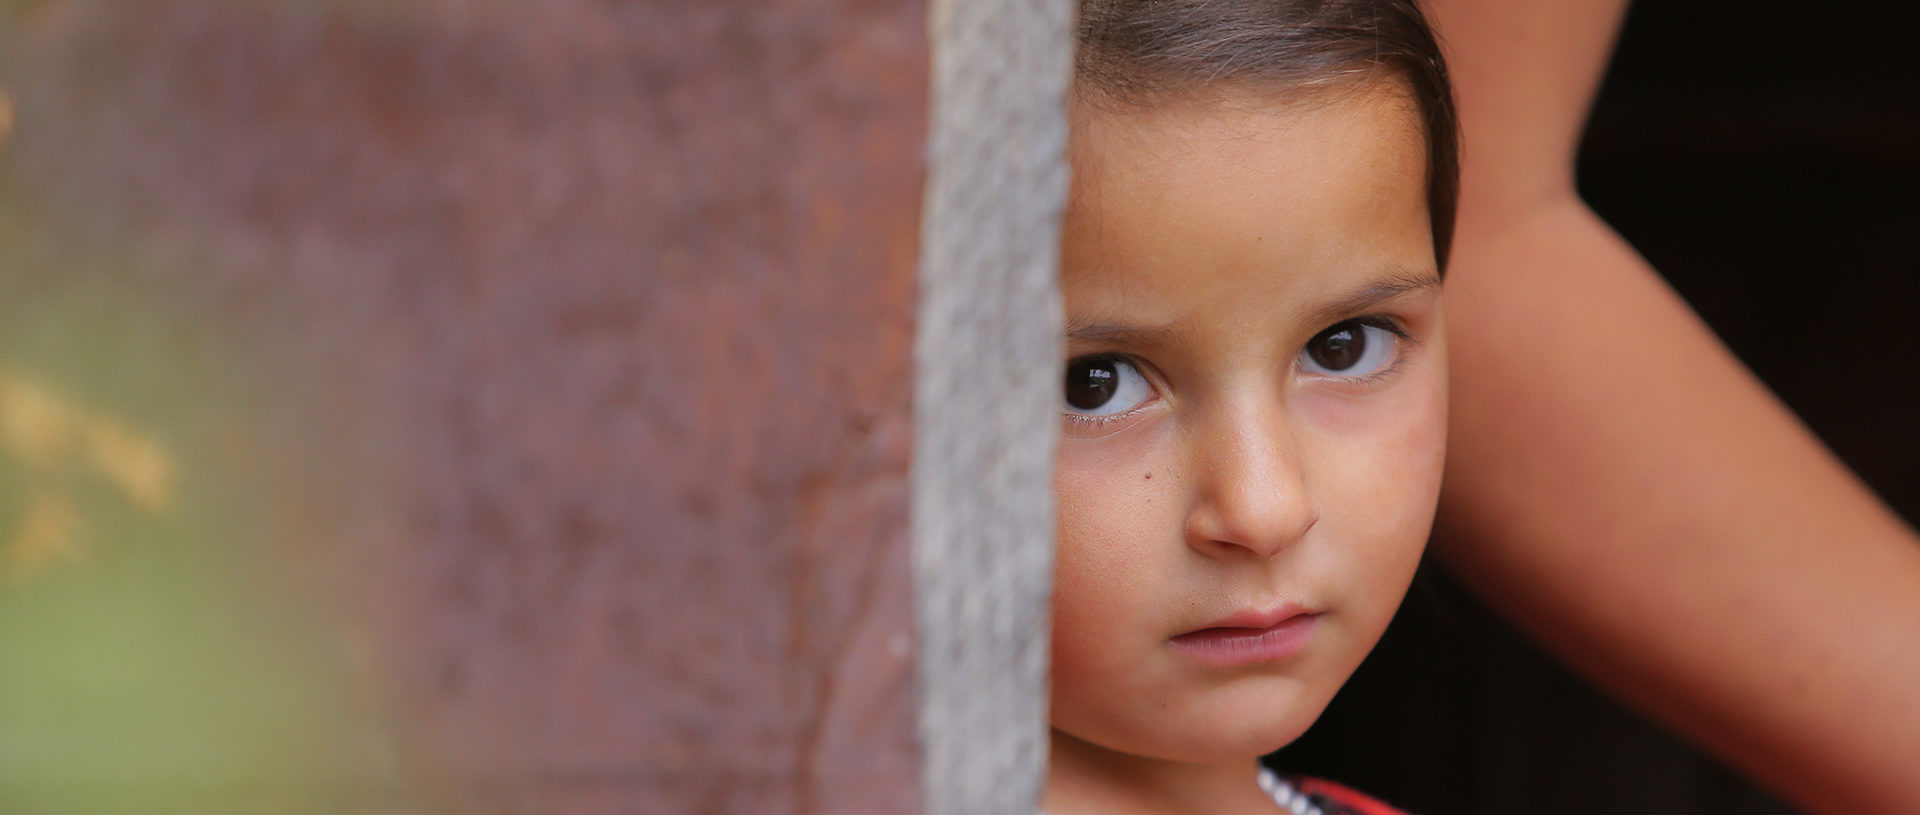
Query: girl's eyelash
1377, 376
1090, 422
1384, 323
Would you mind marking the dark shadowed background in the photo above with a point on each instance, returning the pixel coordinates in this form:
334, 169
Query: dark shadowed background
1766, 159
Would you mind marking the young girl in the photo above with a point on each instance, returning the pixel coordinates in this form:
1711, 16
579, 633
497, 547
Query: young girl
1255, 400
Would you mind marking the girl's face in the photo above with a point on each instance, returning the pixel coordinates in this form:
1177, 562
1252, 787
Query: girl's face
1255, 414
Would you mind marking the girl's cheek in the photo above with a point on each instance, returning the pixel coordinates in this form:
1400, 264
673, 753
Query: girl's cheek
1385, 450
1102, 512
1118, 470
1113, 506
1404, 417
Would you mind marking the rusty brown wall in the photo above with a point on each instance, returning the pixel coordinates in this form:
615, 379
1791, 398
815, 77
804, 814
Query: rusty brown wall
560, 346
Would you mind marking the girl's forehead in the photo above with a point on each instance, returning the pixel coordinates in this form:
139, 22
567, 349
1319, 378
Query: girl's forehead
1199, 202
1231, 117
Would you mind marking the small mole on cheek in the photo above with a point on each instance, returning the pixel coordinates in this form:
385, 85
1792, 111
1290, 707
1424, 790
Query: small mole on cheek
1149, 476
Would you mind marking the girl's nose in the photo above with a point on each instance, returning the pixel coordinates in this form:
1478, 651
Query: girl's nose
1253, 495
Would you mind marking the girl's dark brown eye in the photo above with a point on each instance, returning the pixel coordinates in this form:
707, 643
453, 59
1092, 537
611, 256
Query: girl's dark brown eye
1339, 347
1103, 385
1353, 348
1090, 382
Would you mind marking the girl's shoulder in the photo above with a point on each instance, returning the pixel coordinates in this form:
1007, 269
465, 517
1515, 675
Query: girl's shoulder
1329, 798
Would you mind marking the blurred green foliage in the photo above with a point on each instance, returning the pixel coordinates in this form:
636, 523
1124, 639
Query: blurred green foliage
153, 657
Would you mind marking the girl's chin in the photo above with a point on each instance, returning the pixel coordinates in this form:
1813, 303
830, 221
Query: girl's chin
1233, 747
1198, 743
1242, 719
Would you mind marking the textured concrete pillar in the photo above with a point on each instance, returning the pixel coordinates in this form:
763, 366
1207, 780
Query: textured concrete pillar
987, 394
500, 406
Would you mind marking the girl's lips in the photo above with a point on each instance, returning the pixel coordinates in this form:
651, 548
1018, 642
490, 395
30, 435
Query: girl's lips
1230, 645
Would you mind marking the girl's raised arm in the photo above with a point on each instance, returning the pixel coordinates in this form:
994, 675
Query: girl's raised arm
1620, 485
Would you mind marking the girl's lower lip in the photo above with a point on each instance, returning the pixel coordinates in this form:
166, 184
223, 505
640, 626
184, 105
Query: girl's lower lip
1228, 647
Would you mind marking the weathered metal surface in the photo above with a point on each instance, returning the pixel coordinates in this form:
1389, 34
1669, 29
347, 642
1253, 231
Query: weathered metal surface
586, 326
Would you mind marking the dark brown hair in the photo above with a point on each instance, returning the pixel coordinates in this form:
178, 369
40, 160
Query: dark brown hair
1139, 52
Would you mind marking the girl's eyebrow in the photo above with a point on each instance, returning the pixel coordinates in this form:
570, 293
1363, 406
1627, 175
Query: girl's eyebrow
1118, 334
1395, 283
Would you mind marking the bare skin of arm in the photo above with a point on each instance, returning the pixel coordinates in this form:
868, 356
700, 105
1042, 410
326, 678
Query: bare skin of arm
1623, 488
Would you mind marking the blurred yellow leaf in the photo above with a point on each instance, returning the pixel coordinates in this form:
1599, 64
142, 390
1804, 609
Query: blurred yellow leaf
132, 462
40, 428
45, 534
34, 424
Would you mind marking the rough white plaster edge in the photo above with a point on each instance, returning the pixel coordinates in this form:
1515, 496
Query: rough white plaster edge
986, 398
